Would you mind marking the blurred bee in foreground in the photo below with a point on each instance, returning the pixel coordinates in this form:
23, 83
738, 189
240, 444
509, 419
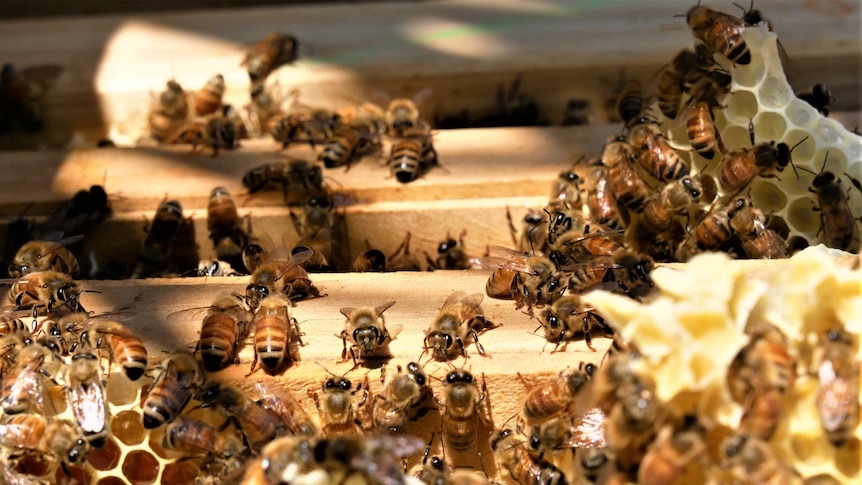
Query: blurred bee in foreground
402, 114
274, 51
838, 393
511, 453
56, 439
567, 432
168, 112
366, 330
459, 323
258, 424
85, 391
192, 437
279, 401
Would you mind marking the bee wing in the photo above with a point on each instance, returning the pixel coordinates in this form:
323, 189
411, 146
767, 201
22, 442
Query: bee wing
394, 330
185, 316
588, 430
378, 310
503, 263
470, 305
346, 311
602, 233
88, 404
454, 299
421, 96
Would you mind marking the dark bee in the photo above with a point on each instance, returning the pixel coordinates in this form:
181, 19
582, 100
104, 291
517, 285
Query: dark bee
22, 97
720, 32
630, 102
299, 180
451, 254
412, 156
576, 113
837, 222
225, 228
161, 234
269, 54
817, 96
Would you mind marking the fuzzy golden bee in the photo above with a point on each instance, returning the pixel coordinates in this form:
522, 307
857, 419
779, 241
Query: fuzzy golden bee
366, 330
458, 324
180, 375
46, 256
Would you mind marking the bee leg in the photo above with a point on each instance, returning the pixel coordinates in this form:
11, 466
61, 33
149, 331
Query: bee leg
313, 395
588, 338
253, 363
479, 347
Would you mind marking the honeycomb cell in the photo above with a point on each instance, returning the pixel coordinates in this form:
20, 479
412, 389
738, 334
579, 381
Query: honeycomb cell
775, 93
801, 217
72, 475
741, 107
120, 390
803, 153
128, 428
769, 126
855, 149
801, 113
105, 458
749, 75
140, 468
828, 131
111, 481
156, 437
830, 159
184, 471
847, 458
767, 196
33, 464
735, 137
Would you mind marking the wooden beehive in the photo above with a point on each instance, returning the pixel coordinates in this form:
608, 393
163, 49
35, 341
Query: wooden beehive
112, 65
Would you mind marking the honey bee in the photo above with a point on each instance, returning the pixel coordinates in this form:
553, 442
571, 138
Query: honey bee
274, 51
720, 32
264, 107
529, 280
566, 317
655, 222
256, 252
208, 99
320, 230
818, 96
169, 112
276, 335
400, 396
12, 324
25, 385
836, 219
224, 327
126, 348
459, 323
375, 459
758, 241
299, 180
258, 424
349, 144
451, 254
513, 455
339, 404
373, 261
436, 472
626, 271
656, 156
85, 391
838, 395
633, 421
192, 437
46, 289
56, 438
280, 277
630, 102
215, 268
279, 401
576, 113
461, 410
223, 223
215, 131
740, 166
534, 232
401, 259
671, 84
601, 201
712, 232
623, 182
700, 123
306, 125
180, 375
402, 114
367, 332
566, 189
751, 459
412, 156
156, 247
670, 455
566, 432
46, 256
555, 396
760, 377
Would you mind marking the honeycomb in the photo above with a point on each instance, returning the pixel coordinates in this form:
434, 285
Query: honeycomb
760, 95
691, 332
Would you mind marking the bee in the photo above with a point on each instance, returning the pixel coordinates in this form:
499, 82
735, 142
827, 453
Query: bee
837, 395
208, 99
349, 144
459, 322
126, 348
367, 332
751, 459
529, 280
215, 131
534, 232
401, 259
760, 378
339, 404
576, 113
257, 252
264, 107
566, 189
373, 261
633, 420
412, 156
656, 220
258, 424
400, 396
601, 201
740, 166
306, 125
169, 112
720, 32
836, 219
749, 225
700, 123
818, 96
567, 316
451, 254
589, 463
279, 401
276, 335
626, 271
85, 391
320, 230
713, 230
25, 386
12, 324
668, 458
225, 229
353, 459
180, 375
462, 399
224, 327
215, 268
299, 180
436, 472
630, 103
402, 114
566, 433
46, 255
624, 184
57, 438
555, 396
280, 277
156, 247
22, 96
512, 454
46, 289
192, 437
274, 51
656, 157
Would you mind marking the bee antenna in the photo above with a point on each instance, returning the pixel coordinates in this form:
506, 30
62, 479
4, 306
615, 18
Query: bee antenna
823, 167
327, 370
